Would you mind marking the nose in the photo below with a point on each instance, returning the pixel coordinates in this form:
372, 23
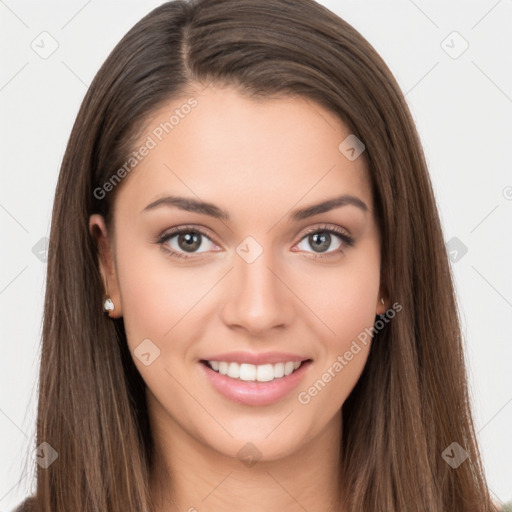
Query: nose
258, 298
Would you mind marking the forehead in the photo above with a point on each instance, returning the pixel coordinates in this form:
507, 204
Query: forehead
247, 155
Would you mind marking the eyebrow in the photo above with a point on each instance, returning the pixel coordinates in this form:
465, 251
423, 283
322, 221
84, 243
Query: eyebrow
204, 208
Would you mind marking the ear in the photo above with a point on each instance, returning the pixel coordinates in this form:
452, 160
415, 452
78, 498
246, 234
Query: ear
106, 263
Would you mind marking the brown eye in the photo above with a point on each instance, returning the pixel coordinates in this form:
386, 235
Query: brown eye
190, 241
323, 238
320, 240
181, 241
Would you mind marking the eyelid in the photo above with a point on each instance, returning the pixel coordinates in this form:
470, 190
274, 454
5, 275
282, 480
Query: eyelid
327, 227
347, 240
186, 228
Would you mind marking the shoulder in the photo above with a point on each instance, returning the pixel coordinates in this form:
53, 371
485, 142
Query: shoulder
26, 506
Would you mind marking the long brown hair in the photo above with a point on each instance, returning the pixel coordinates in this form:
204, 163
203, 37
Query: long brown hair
411, 402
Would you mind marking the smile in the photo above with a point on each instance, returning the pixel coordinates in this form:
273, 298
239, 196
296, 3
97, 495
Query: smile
251, 372
254, 384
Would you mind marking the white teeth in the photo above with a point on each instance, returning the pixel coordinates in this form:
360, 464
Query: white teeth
265, 373
251, 372
233, 370
223, 367
247, 371
288, 368
278, 370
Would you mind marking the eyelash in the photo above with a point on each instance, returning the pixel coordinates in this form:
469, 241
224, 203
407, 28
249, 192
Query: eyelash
346, 239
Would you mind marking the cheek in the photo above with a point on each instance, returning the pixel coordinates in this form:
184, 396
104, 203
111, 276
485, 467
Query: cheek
155, 296
344, 351
345, 331
342, 300
354, 308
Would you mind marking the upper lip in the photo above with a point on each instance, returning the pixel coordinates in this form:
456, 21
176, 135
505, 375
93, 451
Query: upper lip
256, 359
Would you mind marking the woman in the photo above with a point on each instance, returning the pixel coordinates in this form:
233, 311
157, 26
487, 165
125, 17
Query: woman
249, 304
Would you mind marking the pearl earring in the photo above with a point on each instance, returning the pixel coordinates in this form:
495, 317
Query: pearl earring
382, 300
108, 305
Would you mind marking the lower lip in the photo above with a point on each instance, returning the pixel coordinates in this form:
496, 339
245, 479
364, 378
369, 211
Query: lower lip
252, 392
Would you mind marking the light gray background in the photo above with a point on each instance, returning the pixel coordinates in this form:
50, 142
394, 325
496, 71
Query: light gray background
463, 110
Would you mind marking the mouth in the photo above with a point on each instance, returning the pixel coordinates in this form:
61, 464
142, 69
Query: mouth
254, 384
254, 373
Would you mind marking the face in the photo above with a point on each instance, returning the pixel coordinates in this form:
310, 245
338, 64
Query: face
257, 281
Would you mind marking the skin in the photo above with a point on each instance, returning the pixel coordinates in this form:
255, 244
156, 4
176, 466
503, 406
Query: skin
258, 160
